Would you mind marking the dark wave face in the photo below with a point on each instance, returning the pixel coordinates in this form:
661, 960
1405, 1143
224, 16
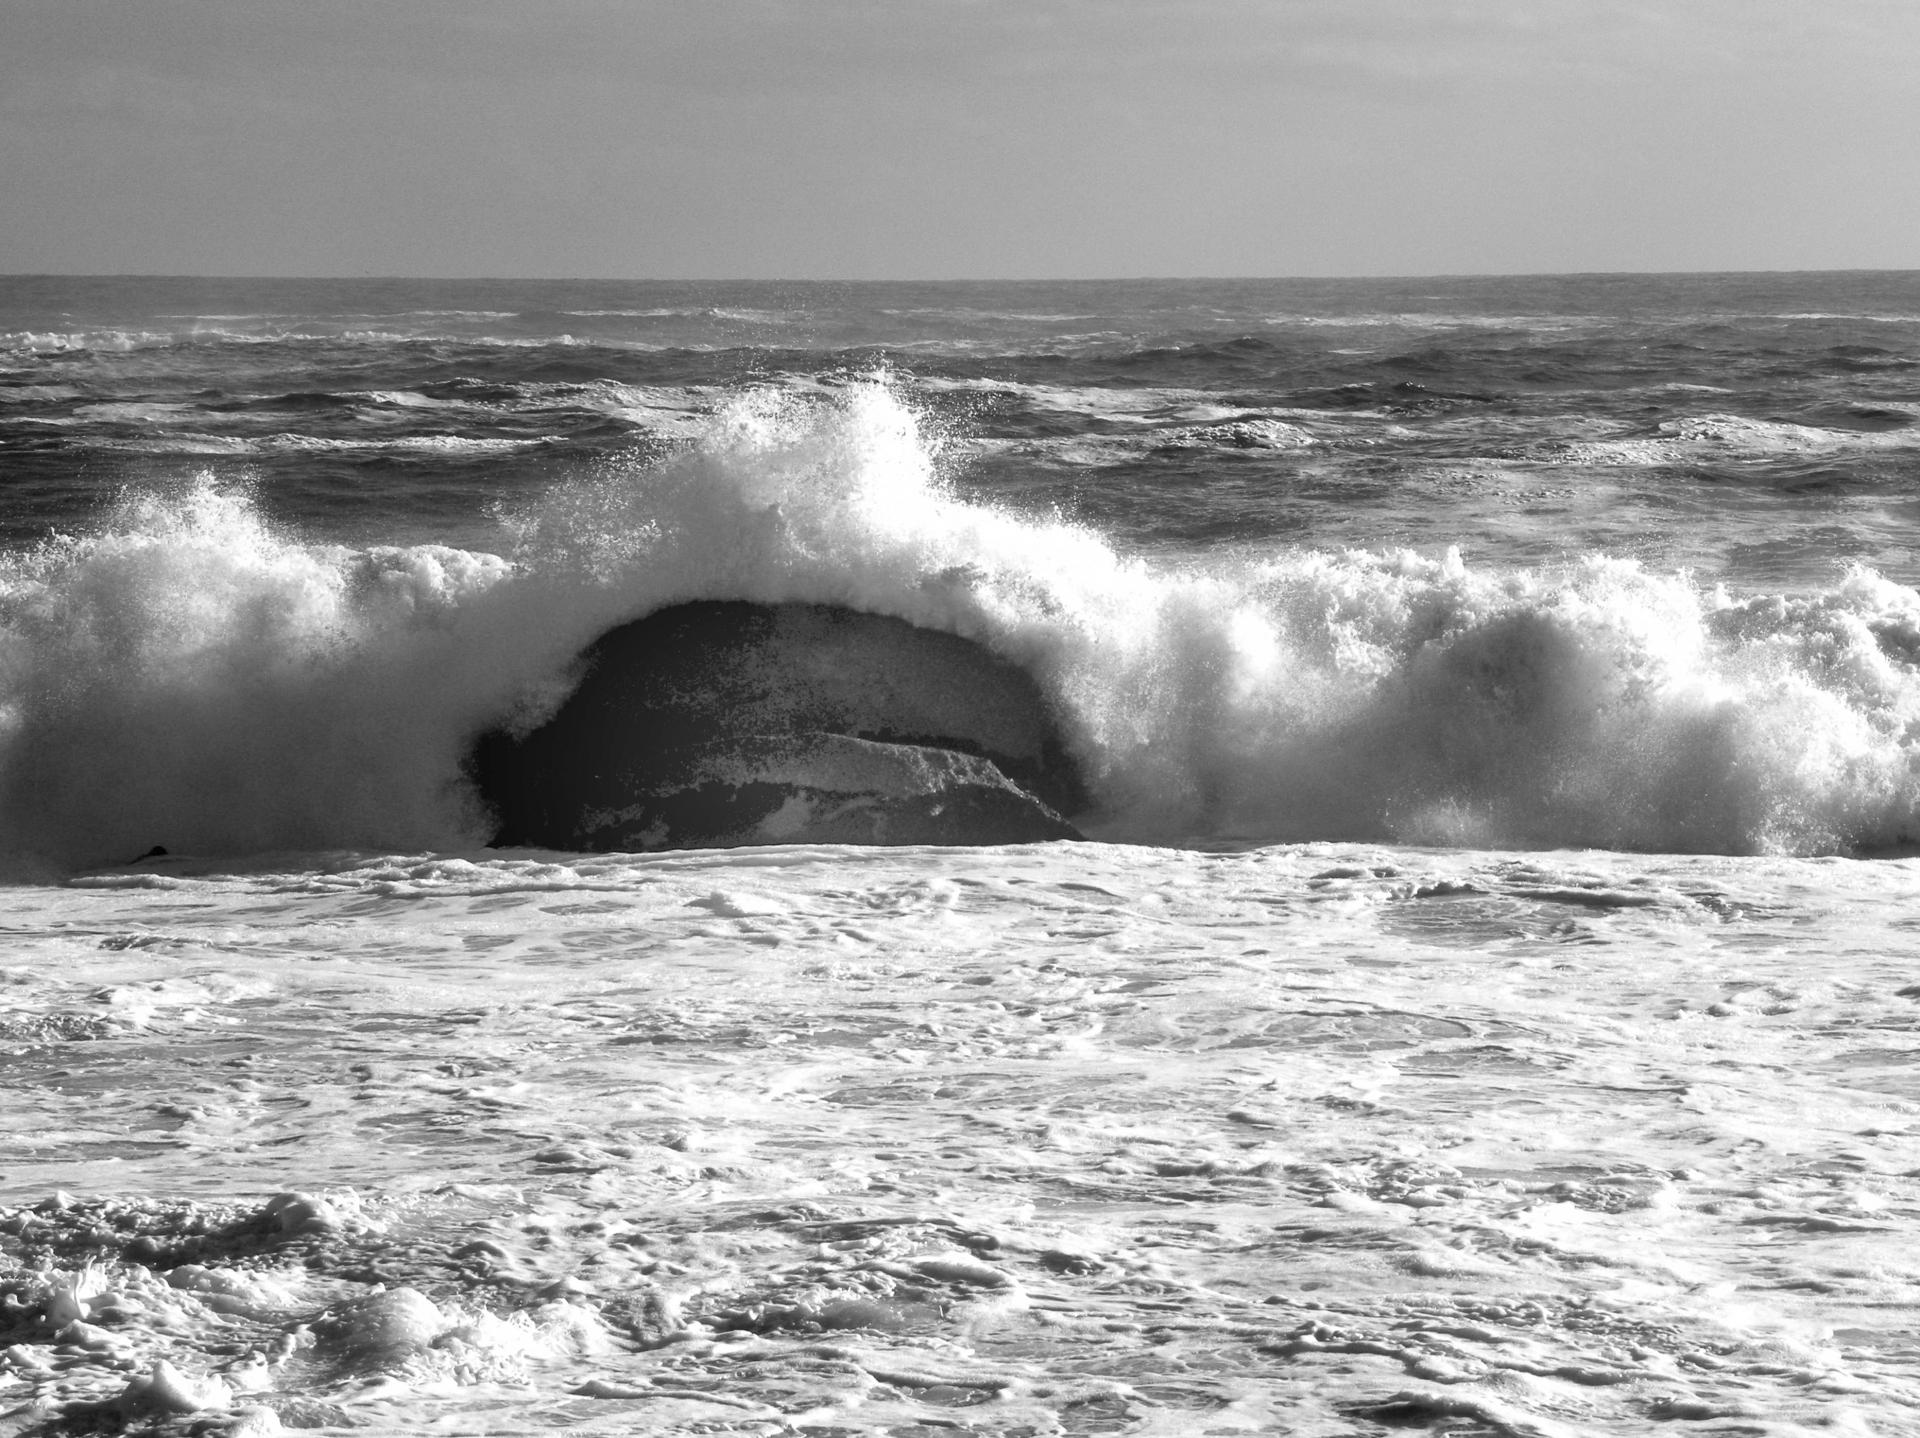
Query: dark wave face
1607, 560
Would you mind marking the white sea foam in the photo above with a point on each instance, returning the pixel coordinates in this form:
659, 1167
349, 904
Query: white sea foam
460, 314
698, 312
58, 341
1732, 431
128, 340
1416, 320
1092, 400
188, 672
37, 393
1847, 317
1065, 1138
1696, 436
1220, 429
190, 678
646, 314
654, 406
400, 399
210, 444
135, 412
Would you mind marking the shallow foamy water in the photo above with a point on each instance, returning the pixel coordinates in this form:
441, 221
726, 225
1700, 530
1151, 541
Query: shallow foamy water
1061, 1139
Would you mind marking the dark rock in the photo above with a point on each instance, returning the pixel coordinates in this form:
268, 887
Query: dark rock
725, 723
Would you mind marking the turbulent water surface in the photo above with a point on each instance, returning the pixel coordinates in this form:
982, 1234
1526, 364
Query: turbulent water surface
1486, 1002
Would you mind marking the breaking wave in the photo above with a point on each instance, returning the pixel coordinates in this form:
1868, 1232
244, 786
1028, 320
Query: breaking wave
188, 676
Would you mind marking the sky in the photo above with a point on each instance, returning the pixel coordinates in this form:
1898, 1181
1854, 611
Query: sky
935, 139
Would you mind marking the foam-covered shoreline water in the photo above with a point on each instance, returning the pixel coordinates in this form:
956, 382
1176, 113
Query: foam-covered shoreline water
1067, 1138
1339, 1092
190, 677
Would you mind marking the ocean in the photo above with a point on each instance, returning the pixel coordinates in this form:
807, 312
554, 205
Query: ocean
1481, 997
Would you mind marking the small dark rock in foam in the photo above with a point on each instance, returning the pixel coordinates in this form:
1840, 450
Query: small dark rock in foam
724, 723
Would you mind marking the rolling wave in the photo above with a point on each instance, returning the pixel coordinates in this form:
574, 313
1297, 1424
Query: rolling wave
187, 676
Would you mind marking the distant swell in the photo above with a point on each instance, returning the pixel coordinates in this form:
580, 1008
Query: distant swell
186, 676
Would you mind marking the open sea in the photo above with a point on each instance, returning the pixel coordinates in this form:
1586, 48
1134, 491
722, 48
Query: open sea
1486, 1000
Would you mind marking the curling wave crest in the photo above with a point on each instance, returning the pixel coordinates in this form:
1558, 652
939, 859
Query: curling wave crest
188, 676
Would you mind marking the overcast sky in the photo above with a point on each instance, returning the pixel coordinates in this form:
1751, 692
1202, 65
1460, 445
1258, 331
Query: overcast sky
857, 139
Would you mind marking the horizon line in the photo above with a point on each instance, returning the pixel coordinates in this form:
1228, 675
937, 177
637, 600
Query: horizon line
370, 277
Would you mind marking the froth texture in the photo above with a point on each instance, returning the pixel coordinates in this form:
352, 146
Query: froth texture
185, 676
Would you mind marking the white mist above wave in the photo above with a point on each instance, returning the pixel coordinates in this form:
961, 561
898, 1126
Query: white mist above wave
186, 676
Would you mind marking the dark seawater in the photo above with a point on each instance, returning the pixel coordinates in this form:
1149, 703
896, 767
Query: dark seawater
1524, 418
1440, 560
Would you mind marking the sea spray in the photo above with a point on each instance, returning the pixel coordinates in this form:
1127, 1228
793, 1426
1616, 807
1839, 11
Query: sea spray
578, 1141
188, 676
1597, 704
